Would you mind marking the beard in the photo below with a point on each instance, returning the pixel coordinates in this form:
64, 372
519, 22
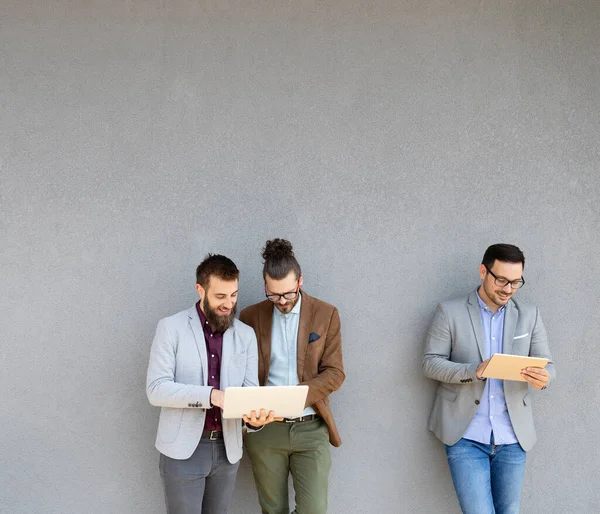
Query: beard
218, 322
495, 297
288, 306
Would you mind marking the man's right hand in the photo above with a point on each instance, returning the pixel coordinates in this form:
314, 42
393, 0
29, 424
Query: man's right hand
217, 398
256, 421
481, 368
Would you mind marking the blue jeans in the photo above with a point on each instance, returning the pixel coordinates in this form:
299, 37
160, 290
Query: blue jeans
487, 477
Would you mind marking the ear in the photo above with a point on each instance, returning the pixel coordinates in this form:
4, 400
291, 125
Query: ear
200, 290
300, 281
482, 272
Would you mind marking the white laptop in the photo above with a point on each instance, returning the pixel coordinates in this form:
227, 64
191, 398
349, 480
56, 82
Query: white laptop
285, 401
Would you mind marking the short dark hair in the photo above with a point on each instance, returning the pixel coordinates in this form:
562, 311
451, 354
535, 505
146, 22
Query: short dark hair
279, 259
215, 265
504, 253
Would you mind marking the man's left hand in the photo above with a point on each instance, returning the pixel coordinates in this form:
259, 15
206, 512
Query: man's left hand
262, 419
537, 377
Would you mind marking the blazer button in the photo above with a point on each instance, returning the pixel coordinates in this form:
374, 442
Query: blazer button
476, 402
190, 405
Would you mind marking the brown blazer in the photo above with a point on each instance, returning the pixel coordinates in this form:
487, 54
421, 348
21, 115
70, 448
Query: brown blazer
320, 364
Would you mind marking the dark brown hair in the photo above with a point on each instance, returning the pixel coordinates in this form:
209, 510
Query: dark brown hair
279, 259
504, 253
216, 266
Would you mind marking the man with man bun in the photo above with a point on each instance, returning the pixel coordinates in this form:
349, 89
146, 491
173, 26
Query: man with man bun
299, 342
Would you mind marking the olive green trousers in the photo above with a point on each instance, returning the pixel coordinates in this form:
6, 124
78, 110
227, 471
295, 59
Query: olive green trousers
300, 448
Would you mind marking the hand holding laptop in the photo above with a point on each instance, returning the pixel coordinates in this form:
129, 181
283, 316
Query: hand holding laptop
217, 399
262, 418
283, 401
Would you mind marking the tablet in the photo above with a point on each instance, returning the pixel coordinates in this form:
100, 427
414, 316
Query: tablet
285, 401
508, 367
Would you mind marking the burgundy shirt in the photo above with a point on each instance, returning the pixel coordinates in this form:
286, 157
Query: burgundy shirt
214, 347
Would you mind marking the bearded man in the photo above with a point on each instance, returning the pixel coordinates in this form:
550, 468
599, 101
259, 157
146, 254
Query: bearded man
195, 355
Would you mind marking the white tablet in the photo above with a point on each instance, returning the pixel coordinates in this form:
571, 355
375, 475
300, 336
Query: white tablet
285, 401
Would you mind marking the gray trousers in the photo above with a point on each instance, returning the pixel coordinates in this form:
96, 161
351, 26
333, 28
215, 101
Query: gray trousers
202, 484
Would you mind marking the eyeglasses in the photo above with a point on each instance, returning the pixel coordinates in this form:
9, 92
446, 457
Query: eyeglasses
290, 295
501, 281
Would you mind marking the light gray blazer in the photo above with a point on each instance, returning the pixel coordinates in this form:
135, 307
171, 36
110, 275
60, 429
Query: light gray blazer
177, 381
454, 348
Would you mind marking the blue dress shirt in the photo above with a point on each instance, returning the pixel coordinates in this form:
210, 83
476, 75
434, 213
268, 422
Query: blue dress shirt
492, 414
283, 370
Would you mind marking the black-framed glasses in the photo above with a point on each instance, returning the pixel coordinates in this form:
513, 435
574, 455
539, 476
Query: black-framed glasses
289, 295
501, 281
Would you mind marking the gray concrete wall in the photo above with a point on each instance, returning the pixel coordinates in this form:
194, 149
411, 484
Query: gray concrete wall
390, 141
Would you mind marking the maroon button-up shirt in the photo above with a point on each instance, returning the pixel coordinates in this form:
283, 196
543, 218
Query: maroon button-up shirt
214, 347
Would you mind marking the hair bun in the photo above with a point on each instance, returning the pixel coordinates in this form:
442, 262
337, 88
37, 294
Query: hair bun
277, 249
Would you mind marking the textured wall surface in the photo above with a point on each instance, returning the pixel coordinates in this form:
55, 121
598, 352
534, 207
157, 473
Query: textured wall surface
390, 141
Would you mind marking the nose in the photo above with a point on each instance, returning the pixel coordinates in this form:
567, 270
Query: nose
507, 288
282, 301
228, 304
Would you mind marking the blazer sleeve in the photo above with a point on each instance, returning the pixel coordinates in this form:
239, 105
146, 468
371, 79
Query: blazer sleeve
161, 388
331, 368
539, 346
438, 350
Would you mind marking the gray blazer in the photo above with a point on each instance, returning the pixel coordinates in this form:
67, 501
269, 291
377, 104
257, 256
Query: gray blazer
453, 350
177, 381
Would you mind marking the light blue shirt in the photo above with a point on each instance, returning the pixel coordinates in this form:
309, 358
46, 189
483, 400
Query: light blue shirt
492, 414
283, 370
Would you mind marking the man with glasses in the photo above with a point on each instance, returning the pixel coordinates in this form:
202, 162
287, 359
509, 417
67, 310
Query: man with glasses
299, 342
486, 424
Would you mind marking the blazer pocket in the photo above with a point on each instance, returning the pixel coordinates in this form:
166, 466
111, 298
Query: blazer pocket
521, 336
446, 393
169, 424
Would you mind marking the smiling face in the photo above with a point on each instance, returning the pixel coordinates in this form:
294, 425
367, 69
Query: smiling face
219, 302
289, 284
493, 295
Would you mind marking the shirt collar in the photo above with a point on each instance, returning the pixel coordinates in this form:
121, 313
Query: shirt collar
483, 306
295, 310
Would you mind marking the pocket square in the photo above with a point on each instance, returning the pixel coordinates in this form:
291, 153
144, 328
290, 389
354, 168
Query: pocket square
521, 336
313, 337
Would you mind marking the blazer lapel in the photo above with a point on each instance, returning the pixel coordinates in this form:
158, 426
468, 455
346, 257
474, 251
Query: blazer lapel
475, 315
200, 343
265, 325
306, 316
510, 325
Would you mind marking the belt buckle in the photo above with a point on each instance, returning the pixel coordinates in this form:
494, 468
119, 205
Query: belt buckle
213, 433
291, 420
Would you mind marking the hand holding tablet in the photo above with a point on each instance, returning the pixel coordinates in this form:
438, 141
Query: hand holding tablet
513, 367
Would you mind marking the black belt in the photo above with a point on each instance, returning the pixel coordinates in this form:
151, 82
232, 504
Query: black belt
213, 435
310, 417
